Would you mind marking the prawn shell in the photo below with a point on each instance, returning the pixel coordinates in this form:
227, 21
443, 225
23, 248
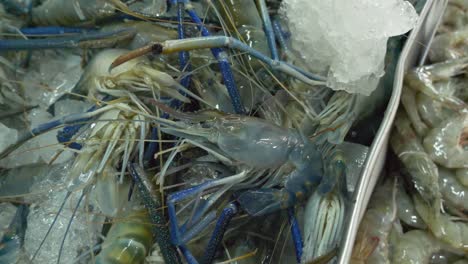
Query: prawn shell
70, 12
445, 143
129, 240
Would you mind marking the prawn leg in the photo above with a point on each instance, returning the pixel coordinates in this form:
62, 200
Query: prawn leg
268, 28
88, 40
217, 236
184, 56
172, 46
53, 30
296, 234
175, 230
222, 58
281, 38
180, 235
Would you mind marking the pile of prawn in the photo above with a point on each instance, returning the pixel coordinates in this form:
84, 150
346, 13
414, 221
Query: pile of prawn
177, 131
419, 214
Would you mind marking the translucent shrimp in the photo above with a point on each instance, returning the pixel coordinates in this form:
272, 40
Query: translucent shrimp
449, 46
446, 144
452, 190
237, 140
462, 176
432, 112
423, 171
408, 100
406, 211
452, 232
416, 246
372, 241
226, 132
455, 16
425, 78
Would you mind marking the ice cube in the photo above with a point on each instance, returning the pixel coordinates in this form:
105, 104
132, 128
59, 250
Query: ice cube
40, 149
7, 212
346, 40
8, 137
52, 75
69, 106
81, 237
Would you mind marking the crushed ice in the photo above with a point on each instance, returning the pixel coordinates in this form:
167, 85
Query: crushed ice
82, 235
347, 39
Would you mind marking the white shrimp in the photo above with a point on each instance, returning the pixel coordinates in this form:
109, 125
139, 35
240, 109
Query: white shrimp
455, 16
416, 247
427, 79
431, 111
454, 233
446, 144
462, 176
423, 171
408, 100
372, 241
406, 210
452, 191
450, 45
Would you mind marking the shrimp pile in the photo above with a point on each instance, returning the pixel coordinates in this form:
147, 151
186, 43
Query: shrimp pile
426, 221
157, 131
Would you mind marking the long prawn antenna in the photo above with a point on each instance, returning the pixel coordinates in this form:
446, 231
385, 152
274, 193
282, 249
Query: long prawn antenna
69, 224
51, 225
